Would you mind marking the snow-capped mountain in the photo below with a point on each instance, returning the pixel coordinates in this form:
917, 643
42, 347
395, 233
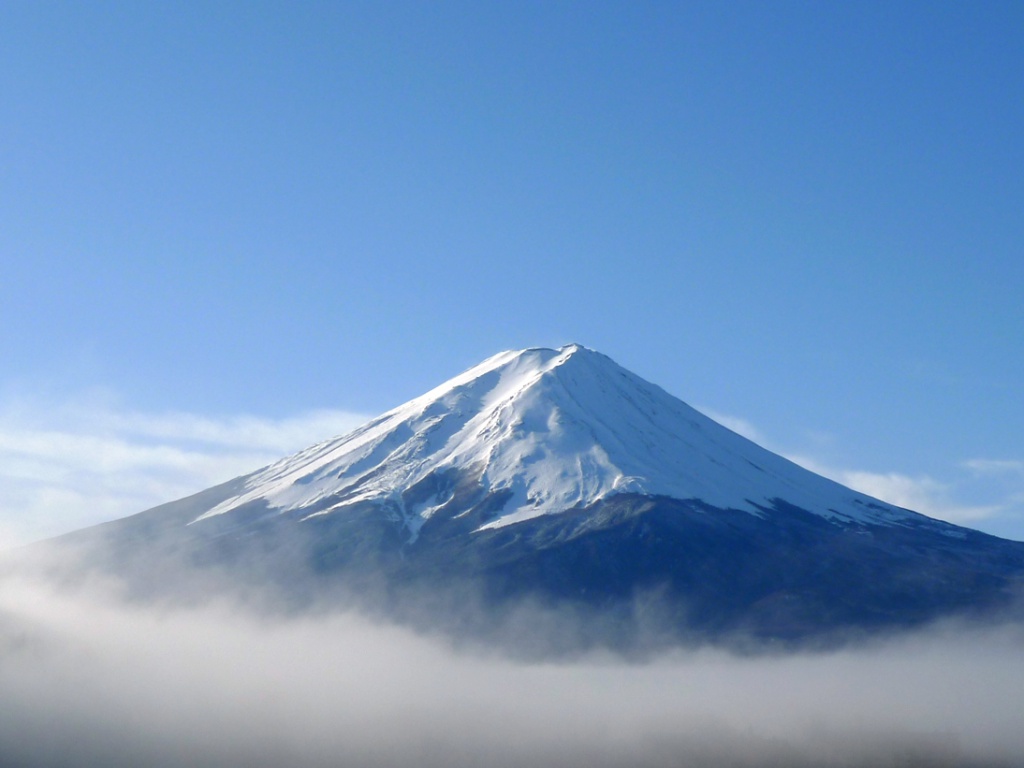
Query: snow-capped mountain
552, 430
556, 477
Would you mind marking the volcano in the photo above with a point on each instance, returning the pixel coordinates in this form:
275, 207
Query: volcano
557, 477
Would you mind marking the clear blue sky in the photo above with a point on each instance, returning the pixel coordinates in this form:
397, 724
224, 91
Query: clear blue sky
805, 216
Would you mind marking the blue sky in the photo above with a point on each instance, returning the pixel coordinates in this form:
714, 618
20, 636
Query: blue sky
233, 228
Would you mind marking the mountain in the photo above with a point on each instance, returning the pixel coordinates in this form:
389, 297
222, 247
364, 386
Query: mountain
558, 478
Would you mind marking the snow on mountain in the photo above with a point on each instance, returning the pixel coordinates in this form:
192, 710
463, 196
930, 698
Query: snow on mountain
554, 430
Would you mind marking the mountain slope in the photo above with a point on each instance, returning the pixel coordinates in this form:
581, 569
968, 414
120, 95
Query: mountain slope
559, 478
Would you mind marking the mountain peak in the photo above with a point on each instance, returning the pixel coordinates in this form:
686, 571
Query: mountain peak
543, 431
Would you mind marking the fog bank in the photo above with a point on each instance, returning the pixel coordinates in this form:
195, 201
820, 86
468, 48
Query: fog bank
88, 679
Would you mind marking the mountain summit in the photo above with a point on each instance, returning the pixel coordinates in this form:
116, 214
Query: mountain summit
558, 478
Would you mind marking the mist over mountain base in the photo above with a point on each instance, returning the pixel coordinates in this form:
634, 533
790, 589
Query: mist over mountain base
631, 574
94, 676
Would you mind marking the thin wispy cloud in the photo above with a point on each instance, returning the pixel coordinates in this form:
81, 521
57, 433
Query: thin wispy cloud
988, 467
920, 493
67, 466
736, 424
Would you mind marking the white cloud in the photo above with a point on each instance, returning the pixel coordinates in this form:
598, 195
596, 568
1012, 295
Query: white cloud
75, 464
921, 493
739, 426
995, 467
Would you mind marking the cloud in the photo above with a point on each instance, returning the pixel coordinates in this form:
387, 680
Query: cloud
921, 493
70, 465
989, 467
90, 680
739, 426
